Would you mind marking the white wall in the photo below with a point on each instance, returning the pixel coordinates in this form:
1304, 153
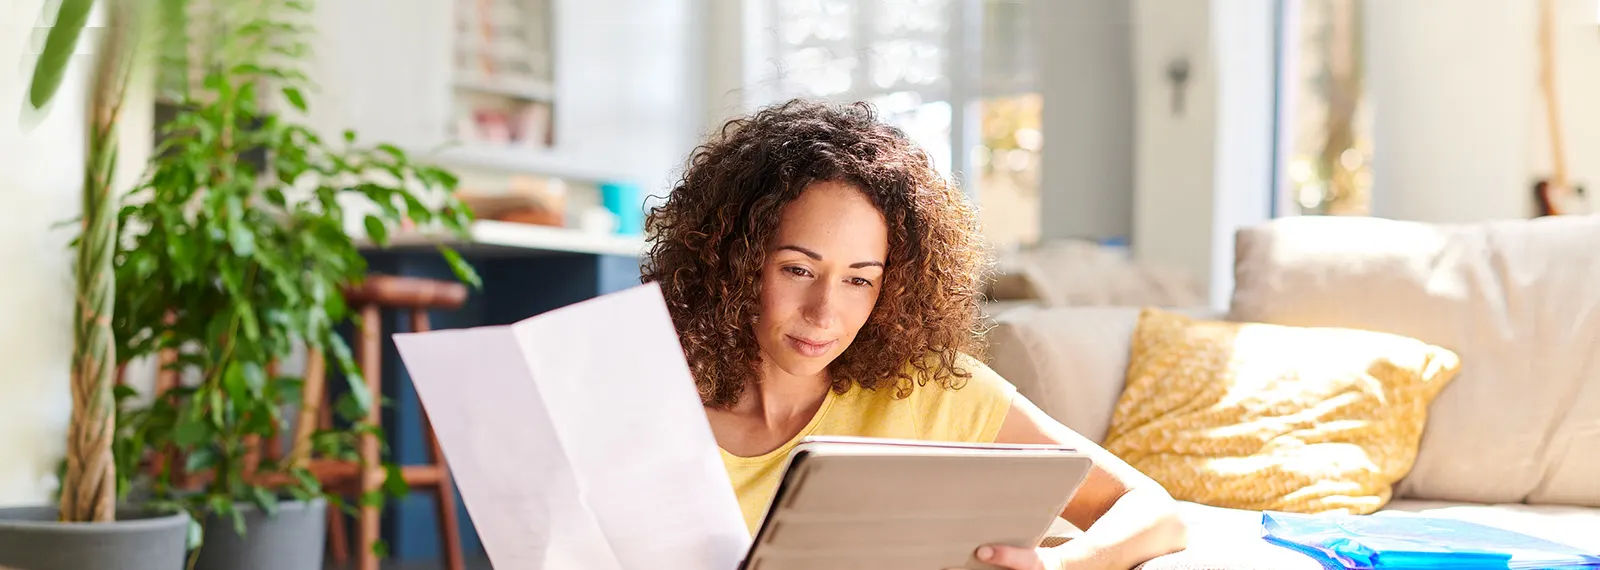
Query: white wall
40, 167
1459, 126
1086, 81
1452, 85
1202, 172
41, 162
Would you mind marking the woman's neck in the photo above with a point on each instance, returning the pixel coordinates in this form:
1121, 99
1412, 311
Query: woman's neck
779, 397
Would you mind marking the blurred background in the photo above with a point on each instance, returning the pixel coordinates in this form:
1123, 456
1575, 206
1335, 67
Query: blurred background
1113, 146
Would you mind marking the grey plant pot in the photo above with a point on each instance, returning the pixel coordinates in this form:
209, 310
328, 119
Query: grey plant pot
32, 539
291, 540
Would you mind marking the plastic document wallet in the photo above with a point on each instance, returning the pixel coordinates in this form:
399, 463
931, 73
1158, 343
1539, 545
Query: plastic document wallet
848, 503
1414, 542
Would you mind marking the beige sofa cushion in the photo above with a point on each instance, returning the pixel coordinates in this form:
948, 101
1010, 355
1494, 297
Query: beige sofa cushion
1518, 301
1069, 361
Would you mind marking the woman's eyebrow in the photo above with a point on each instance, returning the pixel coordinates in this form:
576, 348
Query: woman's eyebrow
817, 256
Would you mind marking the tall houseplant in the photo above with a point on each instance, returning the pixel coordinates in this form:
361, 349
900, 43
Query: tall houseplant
227, 263
83, 531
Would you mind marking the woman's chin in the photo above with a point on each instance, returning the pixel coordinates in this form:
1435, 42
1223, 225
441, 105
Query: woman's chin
801, 365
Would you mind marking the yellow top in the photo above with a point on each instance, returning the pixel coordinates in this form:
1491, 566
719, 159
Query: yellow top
971, 414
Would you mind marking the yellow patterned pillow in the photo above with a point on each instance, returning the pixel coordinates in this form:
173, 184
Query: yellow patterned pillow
1267, 417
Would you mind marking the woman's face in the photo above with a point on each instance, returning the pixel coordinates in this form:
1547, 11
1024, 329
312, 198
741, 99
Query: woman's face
821, 279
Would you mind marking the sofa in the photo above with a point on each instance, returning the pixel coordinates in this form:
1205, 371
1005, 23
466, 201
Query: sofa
1513, 441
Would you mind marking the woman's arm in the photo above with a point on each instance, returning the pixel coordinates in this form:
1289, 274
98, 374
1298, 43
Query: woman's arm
1127, 517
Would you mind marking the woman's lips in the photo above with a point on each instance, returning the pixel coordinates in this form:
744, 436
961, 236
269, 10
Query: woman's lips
807, 347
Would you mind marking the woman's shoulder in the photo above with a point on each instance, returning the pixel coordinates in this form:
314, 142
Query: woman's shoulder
952, 371
959, 398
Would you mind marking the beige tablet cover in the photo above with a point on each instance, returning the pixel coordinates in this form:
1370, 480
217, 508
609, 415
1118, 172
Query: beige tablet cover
847, 505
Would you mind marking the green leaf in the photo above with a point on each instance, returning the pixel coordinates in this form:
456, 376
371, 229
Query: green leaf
353, 408
255, 378
349, 136
460, 267
264, 499
295, 98
372, 499
199, 459
393, 151
216, 409
394, 483
376, 230
307, 481
276, 198
122, 392
190, 431
380, 548
59, 46
445, 178
233, 383
197, 534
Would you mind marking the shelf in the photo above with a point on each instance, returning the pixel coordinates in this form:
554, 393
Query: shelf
525, 160
530, 90
500, 238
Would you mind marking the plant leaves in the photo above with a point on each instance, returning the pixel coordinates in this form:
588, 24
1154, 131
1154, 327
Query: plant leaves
295, 98
376, 230
264, 499
59, 46
189, 432
199, 459
460, 267
394, 483
197, 534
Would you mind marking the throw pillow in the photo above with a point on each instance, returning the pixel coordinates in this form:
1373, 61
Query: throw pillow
1267, 417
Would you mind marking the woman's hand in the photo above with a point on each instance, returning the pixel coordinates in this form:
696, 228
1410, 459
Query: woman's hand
1016, 558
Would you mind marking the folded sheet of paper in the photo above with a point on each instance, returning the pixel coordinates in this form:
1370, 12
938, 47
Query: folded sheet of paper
577, 439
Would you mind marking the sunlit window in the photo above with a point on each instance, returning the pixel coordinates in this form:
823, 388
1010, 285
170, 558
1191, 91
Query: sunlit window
896, 54
1327, 167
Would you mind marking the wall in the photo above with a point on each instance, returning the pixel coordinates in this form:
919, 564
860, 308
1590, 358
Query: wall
1086, 81
39, 169
1459, 126
1578, 89
1202, 167
41, 160
1452, 86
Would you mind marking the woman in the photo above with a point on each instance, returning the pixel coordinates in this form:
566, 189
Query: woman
824, 280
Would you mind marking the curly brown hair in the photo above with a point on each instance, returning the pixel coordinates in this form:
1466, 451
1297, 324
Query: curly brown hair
711, 233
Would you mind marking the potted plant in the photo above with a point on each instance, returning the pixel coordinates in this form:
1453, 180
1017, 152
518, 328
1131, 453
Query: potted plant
88, 528
225, 265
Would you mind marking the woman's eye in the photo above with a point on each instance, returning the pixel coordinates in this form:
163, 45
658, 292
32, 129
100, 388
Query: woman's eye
798, 271
859, 282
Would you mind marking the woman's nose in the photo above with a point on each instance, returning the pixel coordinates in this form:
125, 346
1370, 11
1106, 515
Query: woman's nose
819, 309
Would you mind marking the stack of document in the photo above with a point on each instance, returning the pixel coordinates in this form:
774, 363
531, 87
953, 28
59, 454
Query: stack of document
623, 473
1413, 542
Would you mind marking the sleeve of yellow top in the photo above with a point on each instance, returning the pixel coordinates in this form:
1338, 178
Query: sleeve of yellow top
973, 413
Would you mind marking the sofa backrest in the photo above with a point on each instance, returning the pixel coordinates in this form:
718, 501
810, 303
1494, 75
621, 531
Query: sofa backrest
1519, 301
1070, 361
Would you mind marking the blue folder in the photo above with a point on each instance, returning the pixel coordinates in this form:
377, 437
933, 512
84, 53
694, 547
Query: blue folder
1414, 542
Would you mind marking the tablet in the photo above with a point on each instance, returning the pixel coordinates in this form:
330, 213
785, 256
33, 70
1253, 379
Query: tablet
859, 503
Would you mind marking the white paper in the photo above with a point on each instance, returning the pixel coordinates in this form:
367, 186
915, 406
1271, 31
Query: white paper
577, 439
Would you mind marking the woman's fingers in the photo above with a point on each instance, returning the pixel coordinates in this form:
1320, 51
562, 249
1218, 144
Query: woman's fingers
1011, 557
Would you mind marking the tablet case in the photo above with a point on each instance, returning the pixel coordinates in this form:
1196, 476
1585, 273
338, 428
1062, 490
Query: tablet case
856, 503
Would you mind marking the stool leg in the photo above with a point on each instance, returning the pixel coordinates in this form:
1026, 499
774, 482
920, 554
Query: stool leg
449, 531
370, 331
338, 535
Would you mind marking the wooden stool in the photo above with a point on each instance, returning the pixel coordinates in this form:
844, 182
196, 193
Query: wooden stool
369, 298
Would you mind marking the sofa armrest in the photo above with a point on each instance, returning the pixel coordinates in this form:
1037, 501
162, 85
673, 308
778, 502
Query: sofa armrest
1070, 361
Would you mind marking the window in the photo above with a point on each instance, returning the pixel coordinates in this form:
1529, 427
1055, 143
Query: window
930, 67
1327, 130
892, 53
